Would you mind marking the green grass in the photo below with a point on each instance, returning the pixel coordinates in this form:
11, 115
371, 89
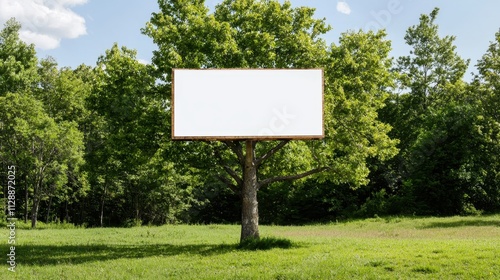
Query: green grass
379, 248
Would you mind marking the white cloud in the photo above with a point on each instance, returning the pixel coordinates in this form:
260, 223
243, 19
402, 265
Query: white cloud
44, 22
143, 61
41, 41
343, 7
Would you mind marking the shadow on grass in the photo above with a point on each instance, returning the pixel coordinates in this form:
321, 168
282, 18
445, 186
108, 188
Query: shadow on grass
463, 223
265, 243
76, 254
41, 255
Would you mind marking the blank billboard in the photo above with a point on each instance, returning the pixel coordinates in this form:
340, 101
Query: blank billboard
254, 104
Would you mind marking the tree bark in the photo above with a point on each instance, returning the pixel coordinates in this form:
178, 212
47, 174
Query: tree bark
66, 212
103, 198
34, 212
36, 198
137, 210
250, 210
47, 219
26, 200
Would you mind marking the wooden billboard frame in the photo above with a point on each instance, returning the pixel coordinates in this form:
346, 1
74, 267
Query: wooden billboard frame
247, 137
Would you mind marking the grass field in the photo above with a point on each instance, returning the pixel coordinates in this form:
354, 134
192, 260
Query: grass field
379, 248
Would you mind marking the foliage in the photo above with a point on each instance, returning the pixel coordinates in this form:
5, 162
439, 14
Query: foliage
487, 90
403, 136
62, 92
307, 202
46, 151
128, 159
357, 84
445, 171
433, 72
216, 203
18, 61
438, 119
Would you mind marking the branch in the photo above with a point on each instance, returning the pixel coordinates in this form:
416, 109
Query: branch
291, 177
235, 146
233, 174
228, 169
271, 152
226, 181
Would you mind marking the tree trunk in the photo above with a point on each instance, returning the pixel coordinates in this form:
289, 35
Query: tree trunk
36, 200
101, 216
34, 212
250, 210
47, 219
137, 211
103, 198
26, 202
66, 213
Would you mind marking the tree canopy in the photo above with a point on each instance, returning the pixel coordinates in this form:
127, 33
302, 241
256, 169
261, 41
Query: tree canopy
404, 135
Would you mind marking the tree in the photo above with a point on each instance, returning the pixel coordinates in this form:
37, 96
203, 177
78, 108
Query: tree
46, 149
267, 34
18, 61
431, 86
127, 156
441, 171
63, 95
486, 88
430, 77
489, 77
62, 92
433, 72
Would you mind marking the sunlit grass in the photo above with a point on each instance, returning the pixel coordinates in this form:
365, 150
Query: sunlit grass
378, 248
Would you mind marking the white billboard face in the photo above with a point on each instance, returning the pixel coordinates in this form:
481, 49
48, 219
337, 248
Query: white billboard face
247, 104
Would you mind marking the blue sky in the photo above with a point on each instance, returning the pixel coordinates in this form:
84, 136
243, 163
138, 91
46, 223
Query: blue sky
78, 31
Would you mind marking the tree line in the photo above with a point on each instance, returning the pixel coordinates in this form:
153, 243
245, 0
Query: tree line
403, 136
